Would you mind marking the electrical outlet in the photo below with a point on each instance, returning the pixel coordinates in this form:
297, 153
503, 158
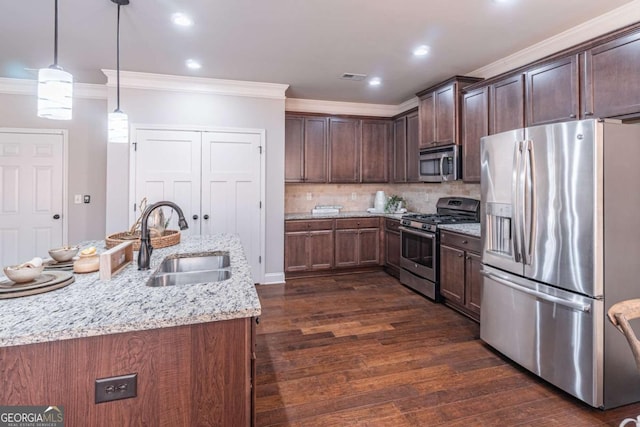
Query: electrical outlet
77, 199
116, 388
87, 198
354, 196
309, 196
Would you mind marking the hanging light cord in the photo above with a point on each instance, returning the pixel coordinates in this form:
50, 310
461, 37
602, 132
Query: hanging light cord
55, 37
117, 61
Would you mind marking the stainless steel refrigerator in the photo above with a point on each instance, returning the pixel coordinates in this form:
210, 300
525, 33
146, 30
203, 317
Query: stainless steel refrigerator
561, 244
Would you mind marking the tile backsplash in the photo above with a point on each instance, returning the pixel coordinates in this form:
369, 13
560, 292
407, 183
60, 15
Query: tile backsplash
419, 197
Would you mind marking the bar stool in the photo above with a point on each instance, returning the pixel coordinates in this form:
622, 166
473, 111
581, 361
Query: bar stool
620, 314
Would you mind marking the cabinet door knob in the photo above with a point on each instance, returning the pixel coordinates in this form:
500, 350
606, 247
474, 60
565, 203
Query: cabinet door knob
56, 216
459, 255
572, 116
587, 113
206, 217
464, 242
195, 217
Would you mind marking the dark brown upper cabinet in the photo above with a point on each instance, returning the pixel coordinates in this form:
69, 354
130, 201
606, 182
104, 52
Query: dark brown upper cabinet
399, 173
406, 148
413, 147
374, 160
506, 100
305, 149
439, 111
344, 149
552, 92
427, 120
475, 125
611, 78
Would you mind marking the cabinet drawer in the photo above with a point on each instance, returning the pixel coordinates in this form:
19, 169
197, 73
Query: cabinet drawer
391, 224
462, 241
357, 223
309, 225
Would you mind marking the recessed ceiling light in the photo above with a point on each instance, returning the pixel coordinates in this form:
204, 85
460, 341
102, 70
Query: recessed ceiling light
181, 19
375, 81
193, 64
421, 50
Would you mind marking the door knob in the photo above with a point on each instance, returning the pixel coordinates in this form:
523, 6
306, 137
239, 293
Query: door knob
56, 216
195, 217
206, 217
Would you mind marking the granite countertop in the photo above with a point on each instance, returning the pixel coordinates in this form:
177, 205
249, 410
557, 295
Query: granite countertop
90, 307
348, 214
472, 229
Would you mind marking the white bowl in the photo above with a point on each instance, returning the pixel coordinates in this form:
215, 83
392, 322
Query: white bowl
64, 253
22, 274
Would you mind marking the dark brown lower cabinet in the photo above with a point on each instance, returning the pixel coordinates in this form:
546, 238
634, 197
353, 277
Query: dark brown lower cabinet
460, 280
392, 246
357, 242
194, 375
308, 245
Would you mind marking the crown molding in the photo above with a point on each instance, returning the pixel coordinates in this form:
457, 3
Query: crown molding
166, 82
335, 107
610, 21
30, 87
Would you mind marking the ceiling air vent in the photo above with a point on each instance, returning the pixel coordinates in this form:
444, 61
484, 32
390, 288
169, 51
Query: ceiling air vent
353, 76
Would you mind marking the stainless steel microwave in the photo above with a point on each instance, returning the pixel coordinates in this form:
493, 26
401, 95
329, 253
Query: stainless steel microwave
440, 164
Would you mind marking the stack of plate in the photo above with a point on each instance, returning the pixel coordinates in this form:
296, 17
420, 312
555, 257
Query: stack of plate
54, 265
46, 282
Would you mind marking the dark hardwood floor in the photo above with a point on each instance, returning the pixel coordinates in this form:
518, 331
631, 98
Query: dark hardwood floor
362, 350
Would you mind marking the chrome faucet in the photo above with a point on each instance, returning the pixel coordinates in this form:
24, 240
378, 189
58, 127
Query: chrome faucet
144, 255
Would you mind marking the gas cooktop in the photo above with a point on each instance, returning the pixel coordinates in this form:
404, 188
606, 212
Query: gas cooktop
451, 210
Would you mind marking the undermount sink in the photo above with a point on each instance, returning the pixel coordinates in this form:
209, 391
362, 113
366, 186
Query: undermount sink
210, 261
186, 269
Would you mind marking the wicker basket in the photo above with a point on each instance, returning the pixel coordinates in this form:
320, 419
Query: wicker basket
168, 238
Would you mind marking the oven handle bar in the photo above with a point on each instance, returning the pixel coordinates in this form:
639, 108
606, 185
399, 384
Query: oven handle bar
421, 233
586, 308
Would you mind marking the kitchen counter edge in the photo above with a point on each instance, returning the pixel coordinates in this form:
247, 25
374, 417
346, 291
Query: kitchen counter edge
91, 307
350, 214
471, 229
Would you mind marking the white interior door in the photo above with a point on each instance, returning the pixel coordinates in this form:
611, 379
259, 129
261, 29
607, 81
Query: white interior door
168, 168
31, 194
231, 189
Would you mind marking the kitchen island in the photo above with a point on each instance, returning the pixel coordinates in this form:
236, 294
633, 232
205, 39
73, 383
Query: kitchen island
191, 346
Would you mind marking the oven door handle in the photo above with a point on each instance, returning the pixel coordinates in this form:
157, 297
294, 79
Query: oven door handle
422, 233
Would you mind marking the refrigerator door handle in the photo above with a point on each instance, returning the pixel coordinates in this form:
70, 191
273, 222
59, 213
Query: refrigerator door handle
515, 196
530, 202
586, 308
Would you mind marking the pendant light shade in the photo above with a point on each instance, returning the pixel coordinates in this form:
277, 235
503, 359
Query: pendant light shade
118, 122
55, 86
118, 127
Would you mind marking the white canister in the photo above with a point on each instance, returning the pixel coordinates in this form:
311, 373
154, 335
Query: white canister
379, 201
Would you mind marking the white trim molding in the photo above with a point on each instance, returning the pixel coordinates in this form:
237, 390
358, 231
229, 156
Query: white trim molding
30, 87
348, 108
166, 82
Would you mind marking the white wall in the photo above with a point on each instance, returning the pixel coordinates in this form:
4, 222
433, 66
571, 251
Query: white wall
148, 106
87, 155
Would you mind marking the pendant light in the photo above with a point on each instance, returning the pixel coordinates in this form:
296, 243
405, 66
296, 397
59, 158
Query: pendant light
55, 86
118, 121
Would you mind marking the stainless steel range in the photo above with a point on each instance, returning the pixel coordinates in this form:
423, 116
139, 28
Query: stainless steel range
420, 241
